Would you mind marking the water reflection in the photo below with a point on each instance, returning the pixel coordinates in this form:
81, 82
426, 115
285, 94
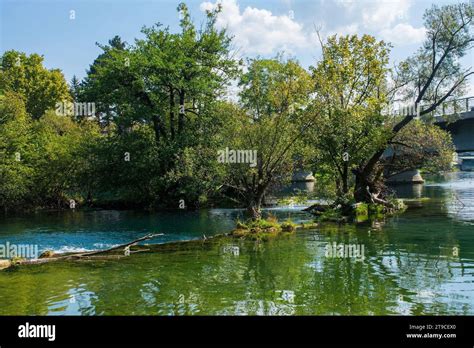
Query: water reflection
417, 263
457, 192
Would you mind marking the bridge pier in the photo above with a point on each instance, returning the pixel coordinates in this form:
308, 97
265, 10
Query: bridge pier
409, 176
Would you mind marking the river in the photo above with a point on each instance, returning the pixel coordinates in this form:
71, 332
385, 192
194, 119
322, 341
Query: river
420, 262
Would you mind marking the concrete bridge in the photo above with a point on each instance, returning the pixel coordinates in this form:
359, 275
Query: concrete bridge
457, 117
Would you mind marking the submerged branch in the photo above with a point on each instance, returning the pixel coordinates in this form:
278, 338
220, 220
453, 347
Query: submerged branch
90, 255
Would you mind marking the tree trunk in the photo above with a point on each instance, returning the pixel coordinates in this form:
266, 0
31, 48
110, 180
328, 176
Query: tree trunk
362, 188
255, 205
254, 212
172, 106
157, 128
365, 187
345, 179
181, 112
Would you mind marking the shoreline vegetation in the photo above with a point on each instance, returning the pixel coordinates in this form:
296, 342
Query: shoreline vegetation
151, 125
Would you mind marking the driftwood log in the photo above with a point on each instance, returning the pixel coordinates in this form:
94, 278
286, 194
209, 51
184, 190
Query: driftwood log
89, 255
123, 250
116, 252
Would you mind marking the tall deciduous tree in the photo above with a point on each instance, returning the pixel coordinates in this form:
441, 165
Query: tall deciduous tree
167, 79
427, 79
95, 89
349, 96
270, 122
15, 148
39, 87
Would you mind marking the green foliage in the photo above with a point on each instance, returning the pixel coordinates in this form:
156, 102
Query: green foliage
288, 226
270, 121
349, 84
161, 120
376, 209
40, 160
15, 172
420, 146
58, 158
361, 210
39, 88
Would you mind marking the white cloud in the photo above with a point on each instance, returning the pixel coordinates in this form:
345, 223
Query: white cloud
258, 31
403, 33
347, 4
383, 13
386, 19
376, 14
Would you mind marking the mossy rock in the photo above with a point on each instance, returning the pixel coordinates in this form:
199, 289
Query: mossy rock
307, 225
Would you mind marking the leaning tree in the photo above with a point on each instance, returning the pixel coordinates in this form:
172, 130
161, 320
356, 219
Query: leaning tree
432, 76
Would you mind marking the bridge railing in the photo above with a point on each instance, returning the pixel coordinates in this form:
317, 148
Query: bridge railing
452, 107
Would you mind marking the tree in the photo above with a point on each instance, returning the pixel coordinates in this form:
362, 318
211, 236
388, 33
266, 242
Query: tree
39, 88
58, 159
419, 145
98, 90
167, 77
426, 80
75, 88
15, 148
269, 124
349, 96
169, 84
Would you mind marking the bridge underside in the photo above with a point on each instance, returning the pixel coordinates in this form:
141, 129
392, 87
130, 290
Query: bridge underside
462, 132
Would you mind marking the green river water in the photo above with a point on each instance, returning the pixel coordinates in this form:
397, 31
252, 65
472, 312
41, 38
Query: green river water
420, 262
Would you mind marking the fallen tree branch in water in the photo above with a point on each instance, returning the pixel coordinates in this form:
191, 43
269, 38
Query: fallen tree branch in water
118, 247
89, 255
97, 254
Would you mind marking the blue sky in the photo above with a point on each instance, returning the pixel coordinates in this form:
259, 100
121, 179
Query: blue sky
260, 27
